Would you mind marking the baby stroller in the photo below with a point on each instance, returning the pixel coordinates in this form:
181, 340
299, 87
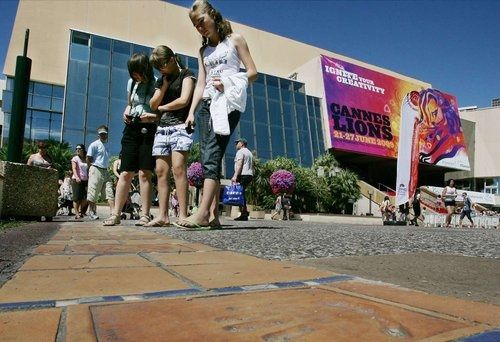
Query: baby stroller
65, 199
133, 204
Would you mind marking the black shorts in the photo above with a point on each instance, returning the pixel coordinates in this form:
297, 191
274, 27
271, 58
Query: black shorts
244, 180
450, 203
79, 190
137, 147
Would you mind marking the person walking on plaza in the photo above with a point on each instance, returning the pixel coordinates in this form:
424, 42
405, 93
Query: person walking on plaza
173, 139
277, 207
243, 173
286, 203
99, 181
137, 139
79, 180
221, 89
417, 211
449, 195
467, 210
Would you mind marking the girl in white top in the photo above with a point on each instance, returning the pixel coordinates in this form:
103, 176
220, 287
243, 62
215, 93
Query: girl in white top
221, 55
449, 194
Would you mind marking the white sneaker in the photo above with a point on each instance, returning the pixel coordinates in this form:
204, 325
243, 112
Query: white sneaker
93, 217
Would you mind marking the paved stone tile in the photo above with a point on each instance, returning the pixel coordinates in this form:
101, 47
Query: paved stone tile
204, 258
222, 269
50, 249
132, 248
67, 284
79, 325
32, 325
62, 262
199, 247
74, 242
157, 241
471, 311
306, 314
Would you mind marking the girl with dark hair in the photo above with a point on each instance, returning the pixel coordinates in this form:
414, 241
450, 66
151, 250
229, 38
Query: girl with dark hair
449, 194
221, 89
173, 139
79, 180
137, 139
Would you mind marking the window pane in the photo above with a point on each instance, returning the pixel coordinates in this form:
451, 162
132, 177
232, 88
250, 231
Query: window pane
74, 111
99, 80
77, 77
55, 126
246, 130
291, 143
100, 53
277, 141
119, 79
7, 101
40, 125
57, 104
289, 116
97, 113
42, 89
41, 102
141, 48
275, 113
79, 53
58, 92
74, 137
260, 110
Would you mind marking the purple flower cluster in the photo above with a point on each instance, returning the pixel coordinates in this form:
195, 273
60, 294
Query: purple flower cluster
282, 181
195, 175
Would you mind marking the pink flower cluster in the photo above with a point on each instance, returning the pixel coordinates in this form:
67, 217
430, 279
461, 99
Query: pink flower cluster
282, 181
195, 175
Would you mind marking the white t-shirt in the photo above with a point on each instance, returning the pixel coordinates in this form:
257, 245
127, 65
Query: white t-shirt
247, 157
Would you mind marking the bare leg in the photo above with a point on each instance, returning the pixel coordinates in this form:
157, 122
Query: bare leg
202, 216
122, 189
145, 190
163, 165
179, 167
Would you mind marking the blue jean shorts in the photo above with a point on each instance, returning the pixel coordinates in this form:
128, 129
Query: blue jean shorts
171, 138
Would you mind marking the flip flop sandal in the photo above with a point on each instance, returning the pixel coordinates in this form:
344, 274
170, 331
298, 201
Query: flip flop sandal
157, 224
113, 220
188, 225
143, 220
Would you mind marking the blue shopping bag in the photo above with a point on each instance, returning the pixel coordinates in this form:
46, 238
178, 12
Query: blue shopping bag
233, 195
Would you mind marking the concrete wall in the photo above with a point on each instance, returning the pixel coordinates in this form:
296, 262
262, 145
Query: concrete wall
486, 140
49, 22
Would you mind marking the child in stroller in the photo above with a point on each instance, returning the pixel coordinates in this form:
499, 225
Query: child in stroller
65, 199
133, 204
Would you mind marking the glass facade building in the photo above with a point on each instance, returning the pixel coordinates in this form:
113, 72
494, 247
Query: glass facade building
44, 111
280, 119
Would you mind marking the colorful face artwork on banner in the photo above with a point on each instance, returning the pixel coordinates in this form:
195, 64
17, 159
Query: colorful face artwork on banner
374, 113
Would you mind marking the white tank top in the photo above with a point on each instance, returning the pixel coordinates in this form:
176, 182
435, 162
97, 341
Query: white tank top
220, 60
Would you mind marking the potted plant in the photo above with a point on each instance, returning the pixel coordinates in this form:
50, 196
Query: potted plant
257, 212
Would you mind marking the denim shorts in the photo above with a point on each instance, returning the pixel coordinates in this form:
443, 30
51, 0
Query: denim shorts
213, 146
171, 138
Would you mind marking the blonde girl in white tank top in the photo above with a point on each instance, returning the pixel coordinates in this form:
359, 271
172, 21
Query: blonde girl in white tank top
221, 54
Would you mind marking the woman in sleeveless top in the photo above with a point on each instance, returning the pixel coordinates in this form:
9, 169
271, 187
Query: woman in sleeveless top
173, 139
221, 55
449, 195
42, 158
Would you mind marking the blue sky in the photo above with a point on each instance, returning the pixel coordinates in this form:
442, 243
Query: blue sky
455, 45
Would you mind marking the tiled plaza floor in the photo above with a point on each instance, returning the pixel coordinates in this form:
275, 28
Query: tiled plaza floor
91, 282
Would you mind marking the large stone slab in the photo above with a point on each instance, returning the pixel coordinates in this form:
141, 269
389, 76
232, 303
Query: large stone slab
27, 190
33, 325
304, 315
471, 311
70, 284
213, 269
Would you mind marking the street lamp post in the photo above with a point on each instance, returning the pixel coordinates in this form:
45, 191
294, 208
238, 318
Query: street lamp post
370, 194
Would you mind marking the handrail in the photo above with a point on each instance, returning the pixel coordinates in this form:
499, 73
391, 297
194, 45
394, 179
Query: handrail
386, 187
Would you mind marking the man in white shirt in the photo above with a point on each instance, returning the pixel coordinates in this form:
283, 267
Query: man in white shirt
243, 172
99, 179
